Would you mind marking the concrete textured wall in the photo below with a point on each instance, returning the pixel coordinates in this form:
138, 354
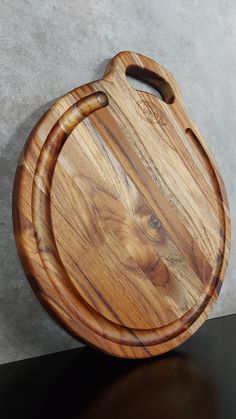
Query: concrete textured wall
49, 47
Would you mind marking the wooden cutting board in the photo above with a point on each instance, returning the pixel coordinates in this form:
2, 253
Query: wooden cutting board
120, 215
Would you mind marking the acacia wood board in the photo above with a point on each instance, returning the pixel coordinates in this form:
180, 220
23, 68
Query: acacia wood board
120, 214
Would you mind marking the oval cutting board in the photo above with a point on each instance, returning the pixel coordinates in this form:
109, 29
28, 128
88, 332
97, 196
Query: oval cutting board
120, 215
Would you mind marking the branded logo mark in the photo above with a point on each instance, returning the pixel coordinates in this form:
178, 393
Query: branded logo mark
148, 111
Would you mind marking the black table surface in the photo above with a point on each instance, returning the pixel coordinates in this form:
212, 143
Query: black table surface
197, 380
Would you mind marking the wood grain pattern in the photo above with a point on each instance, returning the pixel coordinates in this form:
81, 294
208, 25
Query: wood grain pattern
120, 215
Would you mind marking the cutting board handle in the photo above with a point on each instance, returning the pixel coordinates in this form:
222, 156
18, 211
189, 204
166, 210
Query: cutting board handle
144, 68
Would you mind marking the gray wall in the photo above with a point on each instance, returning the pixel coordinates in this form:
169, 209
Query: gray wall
48, 48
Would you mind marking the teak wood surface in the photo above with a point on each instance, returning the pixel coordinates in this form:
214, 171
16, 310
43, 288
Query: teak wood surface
120, 215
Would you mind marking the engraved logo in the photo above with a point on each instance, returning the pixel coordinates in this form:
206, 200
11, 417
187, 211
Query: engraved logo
147, 110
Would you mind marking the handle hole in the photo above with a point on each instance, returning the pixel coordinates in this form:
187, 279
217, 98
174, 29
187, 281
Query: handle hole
143, 86
145, 80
